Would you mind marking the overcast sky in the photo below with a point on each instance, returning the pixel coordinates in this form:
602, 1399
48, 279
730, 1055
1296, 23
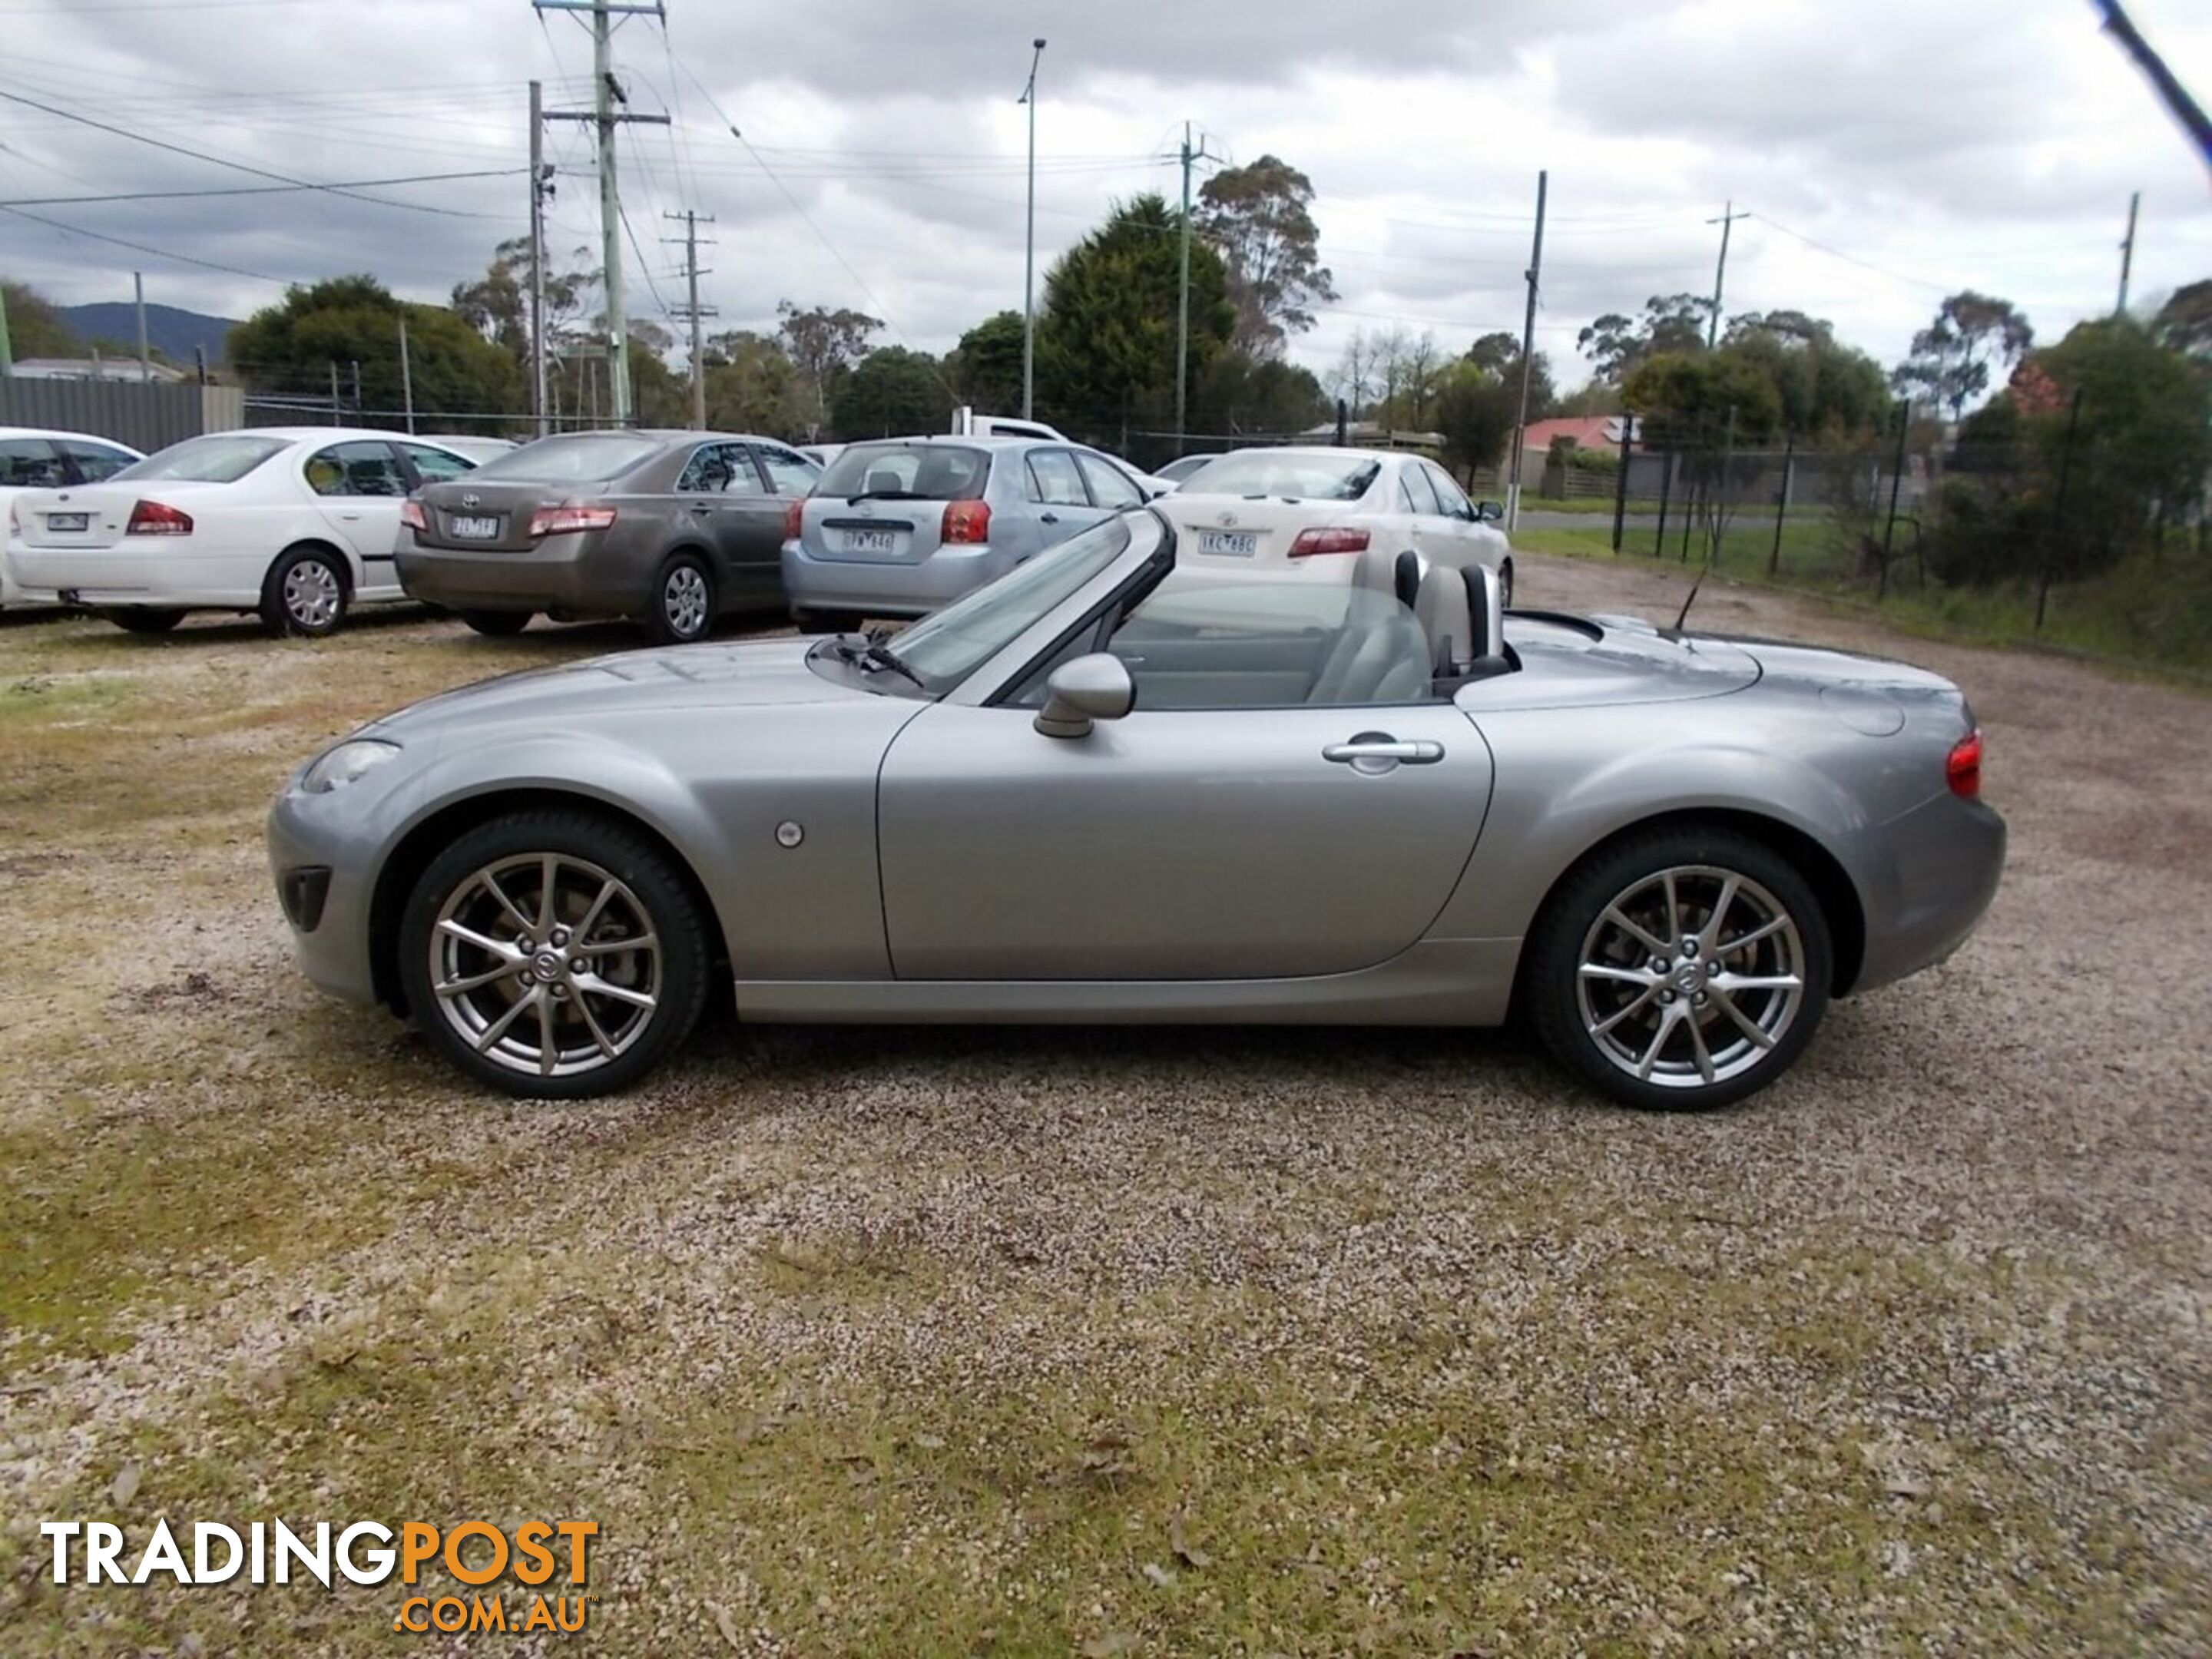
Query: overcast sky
1889, 153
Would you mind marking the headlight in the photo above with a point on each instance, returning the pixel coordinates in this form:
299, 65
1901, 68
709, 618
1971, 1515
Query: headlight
346, 764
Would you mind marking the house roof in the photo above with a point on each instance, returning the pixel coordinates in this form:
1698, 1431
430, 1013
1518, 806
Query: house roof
1589, 432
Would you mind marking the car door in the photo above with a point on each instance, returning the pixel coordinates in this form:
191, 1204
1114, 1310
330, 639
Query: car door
1430, 531
359, 485
1471, 539
1063, 502
1111, 489
791, 478
712, 492
1229, 829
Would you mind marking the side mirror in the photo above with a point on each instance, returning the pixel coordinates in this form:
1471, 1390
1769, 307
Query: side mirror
1093, 688
1488, 512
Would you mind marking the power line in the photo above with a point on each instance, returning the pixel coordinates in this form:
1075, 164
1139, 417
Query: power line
142, 247
236, 167
1850, 259
252, 190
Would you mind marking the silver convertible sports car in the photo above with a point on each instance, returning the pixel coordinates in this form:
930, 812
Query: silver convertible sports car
1105, 788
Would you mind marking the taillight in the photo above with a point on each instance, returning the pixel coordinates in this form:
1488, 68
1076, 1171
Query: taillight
966, 522
1329, 539
410, 514
791, 515
567, 520
158, 518
1963, 769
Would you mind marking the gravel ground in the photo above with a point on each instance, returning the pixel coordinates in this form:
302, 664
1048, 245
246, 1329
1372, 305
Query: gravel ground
962, 1341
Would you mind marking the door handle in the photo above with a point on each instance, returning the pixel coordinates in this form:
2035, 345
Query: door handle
1048, 518
1418, 751
701, 507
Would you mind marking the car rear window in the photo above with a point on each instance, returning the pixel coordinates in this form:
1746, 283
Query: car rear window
1309, 477
931, 473
218, 458
578, 457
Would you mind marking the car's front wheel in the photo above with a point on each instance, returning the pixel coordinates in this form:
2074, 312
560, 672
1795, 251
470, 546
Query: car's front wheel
497, 624
1505, 585
554, 954
305, 592
143, 618
683, 609
1679, 968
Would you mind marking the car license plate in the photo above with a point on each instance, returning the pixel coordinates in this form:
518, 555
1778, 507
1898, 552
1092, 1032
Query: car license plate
869, 541
1231, 543
69, 521
473, 530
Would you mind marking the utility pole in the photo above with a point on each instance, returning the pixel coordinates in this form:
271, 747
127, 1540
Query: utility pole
1728, 217
1182, 301
1535, 275
406, 374
540, 188
7, 345
145, 358
606, 93
1029, 247
2128, 253
694, 310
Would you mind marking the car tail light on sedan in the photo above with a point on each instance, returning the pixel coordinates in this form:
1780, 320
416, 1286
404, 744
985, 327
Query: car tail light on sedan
1963, 770
1331, 538
410, 514
158, 518
791, 516
567, 519
966, 523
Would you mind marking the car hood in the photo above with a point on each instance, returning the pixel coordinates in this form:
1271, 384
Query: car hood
752, 674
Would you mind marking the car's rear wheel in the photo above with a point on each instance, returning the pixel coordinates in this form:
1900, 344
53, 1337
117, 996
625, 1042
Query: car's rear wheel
683, 609
305, 594
143, 618
1681, 968
554, 954
499, 624
827, 622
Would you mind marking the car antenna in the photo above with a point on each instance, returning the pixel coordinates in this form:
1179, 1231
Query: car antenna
1691, 599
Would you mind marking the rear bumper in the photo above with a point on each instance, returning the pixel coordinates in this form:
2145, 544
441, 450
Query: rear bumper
154, 571
884, 589
1940, 865
561, 573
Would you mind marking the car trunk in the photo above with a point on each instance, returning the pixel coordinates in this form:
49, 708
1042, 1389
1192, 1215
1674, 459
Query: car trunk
485, 516
96, 515
873, 532
1259, 530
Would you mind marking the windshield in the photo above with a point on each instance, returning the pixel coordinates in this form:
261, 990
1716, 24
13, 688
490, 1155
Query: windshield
579, 458
218, 458
936, 473
1341, 478
949, 645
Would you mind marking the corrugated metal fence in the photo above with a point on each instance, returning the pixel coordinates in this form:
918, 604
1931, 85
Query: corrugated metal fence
147, 417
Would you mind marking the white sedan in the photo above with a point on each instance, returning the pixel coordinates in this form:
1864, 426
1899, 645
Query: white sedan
32, 457
1291, 511
296, 523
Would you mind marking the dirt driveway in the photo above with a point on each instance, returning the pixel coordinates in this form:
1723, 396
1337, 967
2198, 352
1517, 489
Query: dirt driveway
1181, 1342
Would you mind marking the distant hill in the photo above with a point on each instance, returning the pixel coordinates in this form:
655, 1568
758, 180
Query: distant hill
169, 331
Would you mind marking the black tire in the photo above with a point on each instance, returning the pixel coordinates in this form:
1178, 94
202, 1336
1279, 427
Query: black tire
1505, 585
827, 622
498, 624
305, 594
682, 608
1575, 927
143, 618
654, 900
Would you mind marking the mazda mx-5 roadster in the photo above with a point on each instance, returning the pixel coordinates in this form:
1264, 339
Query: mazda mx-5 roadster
1104, 788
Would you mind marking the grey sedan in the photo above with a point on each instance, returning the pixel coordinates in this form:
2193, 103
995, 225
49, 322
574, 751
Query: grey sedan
898, 528
674, 528
1108, 788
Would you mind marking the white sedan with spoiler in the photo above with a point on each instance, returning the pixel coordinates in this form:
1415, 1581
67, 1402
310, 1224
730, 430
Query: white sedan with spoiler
1311, 513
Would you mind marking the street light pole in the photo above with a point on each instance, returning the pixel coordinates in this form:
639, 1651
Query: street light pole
1029, 247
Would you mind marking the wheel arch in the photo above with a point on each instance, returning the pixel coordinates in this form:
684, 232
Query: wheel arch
410, 855
347, 563
1841, 906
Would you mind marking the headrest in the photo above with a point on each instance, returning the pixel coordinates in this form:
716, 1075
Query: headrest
1374, 571
1441, 608
1406, 575
1485, 605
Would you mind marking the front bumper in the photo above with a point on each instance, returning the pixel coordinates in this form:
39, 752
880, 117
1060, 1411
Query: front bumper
318, 850
884, 589
561, 573
1940, 865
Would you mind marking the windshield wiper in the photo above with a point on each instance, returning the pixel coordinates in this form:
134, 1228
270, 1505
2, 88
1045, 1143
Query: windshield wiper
884, 495
870, 652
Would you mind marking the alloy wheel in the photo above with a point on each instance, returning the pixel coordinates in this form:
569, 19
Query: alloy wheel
546, 964
683, 601
1690, 976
